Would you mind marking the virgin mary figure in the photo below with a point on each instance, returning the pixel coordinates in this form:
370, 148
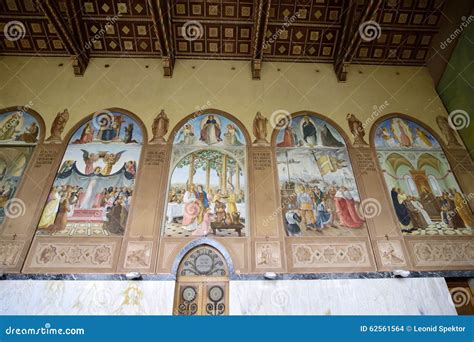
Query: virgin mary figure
211, 131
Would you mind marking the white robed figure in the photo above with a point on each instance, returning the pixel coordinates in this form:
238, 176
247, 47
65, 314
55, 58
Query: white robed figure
418, 206
210, 130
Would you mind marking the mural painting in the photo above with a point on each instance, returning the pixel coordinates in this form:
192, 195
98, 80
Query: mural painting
93, 189
207, 190
318, 190
424, 193
19, 133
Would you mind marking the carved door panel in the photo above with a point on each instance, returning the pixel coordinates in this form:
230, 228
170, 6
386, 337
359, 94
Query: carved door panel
201, 298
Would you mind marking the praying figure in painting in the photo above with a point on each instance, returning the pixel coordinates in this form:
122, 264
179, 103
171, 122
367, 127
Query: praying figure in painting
357, 129
289, 137
110, 159
310, 135
58, 125
416, 218
10, 125
398, 200
328, 139
89, 160
87, 135
232, 135
30, 135
128, 138
293, 219
211, 131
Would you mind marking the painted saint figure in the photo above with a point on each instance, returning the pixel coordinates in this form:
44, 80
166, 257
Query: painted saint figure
310, 135
211, 131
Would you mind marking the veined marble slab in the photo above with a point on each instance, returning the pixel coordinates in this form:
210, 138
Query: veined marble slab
412, 296
63, 297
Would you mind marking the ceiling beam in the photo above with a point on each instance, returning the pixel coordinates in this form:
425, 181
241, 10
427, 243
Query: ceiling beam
161, 15
72, 37
351, 37
259, 31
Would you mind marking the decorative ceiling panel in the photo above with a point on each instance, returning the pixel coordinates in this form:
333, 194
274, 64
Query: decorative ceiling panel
297, 30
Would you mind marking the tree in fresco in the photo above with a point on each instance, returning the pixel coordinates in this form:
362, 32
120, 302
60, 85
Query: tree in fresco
226, 167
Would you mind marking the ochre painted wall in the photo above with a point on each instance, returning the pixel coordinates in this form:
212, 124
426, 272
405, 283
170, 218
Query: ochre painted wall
128, 84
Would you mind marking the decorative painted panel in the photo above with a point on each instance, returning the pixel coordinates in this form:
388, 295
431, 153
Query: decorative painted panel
318, 189
424, 192
207, 190
19, 133
93, 189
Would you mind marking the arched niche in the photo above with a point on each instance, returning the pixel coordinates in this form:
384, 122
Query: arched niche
21, 129
409, 154
207, 189
202, 283
318, 190
93, 189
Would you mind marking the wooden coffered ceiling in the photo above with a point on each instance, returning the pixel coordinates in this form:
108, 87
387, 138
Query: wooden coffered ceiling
254, 30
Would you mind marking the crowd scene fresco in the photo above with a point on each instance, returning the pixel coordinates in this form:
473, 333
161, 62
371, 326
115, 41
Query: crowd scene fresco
206, 194
93, 190
426, 198
19, 133
318, 190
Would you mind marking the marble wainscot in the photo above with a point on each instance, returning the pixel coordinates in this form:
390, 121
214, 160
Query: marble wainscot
377, 296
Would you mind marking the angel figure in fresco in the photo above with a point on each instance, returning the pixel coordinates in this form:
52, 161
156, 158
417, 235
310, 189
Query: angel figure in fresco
8, 127
310, 135
89, 160
66, 166
232, 135
30, 135
110, 159
328, 139
87, 135
422, 138
386, 137
210, 131
187, 135
401, 133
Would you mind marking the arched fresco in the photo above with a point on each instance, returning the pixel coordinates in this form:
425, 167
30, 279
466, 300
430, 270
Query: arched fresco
207, 189
19, 133
319, 195
93, 189
423, 191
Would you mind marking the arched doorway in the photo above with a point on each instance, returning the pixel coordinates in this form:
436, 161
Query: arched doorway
202, 283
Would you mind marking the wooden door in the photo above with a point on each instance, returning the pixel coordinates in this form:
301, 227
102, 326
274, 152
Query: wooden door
202, 284
203, 297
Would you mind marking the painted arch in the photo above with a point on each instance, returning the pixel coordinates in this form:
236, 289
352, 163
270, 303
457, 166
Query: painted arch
21, 130
93, 189
319, 194
207, 190
425, 195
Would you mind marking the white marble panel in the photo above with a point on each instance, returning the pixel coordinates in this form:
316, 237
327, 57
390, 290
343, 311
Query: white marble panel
80, 297
412, 296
